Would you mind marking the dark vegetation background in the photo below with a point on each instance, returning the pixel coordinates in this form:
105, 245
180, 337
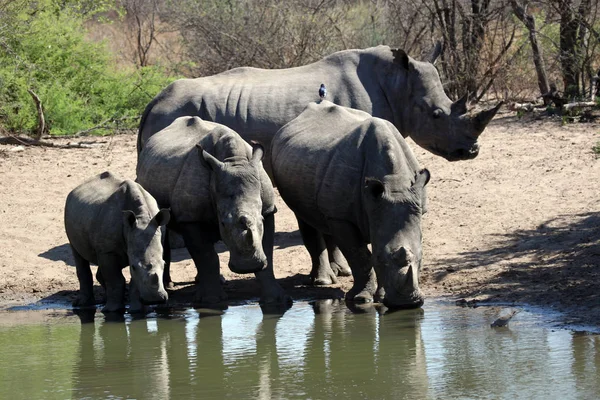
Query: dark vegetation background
92, 66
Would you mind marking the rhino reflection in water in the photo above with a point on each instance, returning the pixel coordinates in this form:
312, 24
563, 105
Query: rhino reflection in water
353, 177
381, 81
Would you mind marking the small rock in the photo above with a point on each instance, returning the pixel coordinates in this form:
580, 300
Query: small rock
17, 148
503, 317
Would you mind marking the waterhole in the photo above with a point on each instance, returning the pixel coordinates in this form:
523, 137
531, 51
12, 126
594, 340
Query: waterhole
315, 350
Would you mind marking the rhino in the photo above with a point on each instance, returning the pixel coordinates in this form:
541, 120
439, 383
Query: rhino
382, 81
352, 176
216, 188
115, 223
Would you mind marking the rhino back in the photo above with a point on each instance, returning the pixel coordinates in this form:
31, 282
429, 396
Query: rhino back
314, 158
257, 102
169, 168
93, 221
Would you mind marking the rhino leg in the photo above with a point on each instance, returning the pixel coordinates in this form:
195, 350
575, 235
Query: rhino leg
338, 263
85, 297
100, 279
321, 272
111, 272
167, 281
271, 291
201, 245
354, 248
135, 301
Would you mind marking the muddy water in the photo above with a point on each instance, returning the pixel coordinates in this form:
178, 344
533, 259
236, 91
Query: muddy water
318, 350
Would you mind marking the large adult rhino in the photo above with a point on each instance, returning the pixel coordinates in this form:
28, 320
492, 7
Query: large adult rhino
384, 82
216, 187
352, 176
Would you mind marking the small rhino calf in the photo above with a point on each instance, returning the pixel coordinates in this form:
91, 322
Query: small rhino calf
115, 223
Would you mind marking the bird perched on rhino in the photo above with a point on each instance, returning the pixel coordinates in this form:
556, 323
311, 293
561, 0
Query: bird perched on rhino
322, 91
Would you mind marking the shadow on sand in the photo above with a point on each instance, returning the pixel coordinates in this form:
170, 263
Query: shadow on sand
562, 256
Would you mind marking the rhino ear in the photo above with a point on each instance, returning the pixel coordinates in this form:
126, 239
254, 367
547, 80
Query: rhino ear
208, 160
258, 151
162, 217
422, 178
400, 57
129, 218
374, 187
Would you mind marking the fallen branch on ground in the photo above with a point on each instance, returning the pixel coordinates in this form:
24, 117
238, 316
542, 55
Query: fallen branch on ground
522, 106
579, 104
26, 141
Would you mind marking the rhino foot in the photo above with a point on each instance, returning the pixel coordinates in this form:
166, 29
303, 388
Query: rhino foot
135, 305
210, 295
325, 276
84, 301
275, 295
113, 308
359, 296
340, 268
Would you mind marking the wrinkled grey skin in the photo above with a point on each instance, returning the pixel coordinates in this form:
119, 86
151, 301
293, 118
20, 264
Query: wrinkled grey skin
382, 81
352, 176
215, 185
115, 223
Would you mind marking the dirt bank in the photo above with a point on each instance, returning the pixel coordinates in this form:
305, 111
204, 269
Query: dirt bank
520, 223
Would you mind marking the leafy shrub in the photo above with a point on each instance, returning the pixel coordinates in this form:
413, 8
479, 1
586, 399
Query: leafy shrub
76, 80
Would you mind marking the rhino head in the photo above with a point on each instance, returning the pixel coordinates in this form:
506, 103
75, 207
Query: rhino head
431, 119
394, 213
143, 236
236, 193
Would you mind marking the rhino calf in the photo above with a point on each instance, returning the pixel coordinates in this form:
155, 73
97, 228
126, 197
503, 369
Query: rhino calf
114, 224
352, 176
217, 188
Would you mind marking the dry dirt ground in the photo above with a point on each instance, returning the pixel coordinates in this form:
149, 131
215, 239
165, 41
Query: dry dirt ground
519, 224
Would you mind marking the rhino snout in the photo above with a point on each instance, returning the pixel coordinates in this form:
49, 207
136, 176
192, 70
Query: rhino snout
160, 297
401, 282
463, 153
247, 265
152, 290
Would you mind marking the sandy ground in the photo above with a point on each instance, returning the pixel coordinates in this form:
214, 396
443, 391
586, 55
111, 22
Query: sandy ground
519, 224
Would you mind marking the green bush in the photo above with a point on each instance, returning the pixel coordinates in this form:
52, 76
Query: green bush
76, 80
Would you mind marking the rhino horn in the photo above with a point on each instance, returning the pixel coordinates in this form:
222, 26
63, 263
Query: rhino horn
481, 120
411, 278
459, 107
435, 52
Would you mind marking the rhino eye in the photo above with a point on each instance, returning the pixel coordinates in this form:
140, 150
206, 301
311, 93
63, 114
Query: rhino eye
437, 113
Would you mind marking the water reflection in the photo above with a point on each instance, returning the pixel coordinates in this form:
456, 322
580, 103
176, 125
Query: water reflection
318, 350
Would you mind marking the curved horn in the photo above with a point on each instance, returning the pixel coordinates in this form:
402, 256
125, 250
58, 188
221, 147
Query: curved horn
459, 107
481, 120
435, 52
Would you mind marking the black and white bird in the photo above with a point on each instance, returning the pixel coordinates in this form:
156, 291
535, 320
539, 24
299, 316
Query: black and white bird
322, 91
